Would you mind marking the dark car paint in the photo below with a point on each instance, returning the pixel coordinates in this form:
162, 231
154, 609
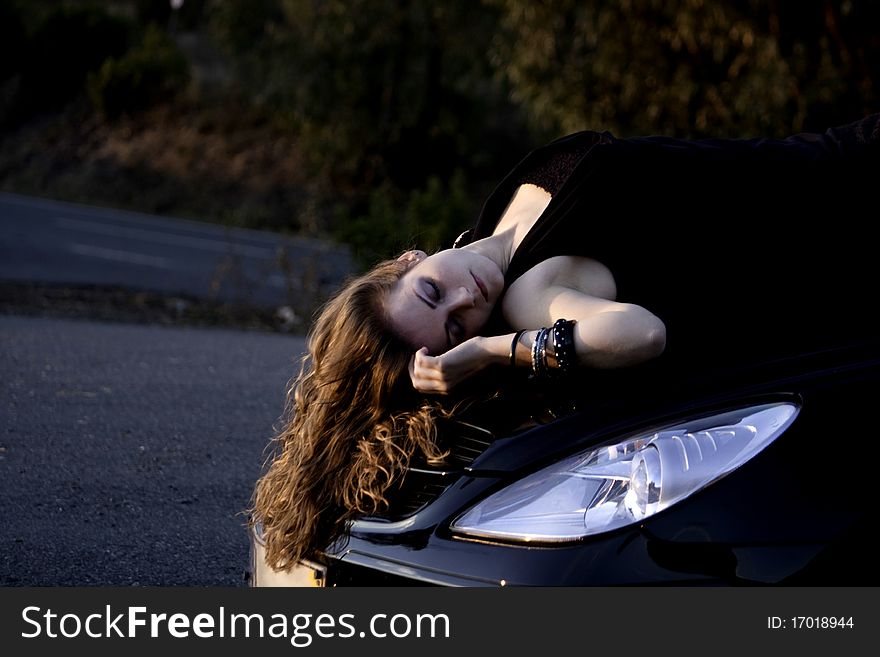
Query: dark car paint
800, 512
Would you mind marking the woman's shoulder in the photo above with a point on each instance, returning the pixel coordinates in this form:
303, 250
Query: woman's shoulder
580, 273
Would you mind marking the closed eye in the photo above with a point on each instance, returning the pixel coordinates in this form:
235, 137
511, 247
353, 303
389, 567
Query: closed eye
433, 291
428, 292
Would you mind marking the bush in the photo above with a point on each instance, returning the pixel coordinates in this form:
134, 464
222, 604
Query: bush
429, 218
387, 100
12, 38
52, 60
154, 71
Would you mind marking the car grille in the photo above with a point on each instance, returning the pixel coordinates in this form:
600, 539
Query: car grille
468, 443
422, 485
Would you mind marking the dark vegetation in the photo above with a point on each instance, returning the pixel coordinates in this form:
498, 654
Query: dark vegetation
383, 123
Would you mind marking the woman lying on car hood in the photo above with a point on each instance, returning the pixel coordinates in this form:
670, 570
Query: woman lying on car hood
594, 252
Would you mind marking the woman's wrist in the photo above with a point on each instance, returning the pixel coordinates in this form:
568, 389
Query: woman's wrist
544, 351
497, 349
520, 349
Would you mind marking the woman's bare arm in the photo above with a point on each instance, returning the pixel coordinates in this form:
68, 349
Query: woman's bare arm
608, 334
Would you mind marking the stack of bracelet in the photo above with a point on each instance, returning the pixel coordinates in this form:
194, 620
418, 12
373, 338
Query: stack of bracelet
561, 358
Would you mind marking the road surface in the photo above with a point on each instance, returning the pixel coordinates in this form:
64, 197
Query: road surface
53, 242
128, 453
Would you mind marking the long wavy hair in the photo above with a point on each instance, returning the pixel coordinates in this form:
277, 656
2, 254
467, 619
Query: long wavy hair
352, 423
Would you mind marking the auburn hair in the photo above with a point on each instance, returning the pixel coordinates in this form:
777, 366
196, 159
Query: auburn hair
352, 423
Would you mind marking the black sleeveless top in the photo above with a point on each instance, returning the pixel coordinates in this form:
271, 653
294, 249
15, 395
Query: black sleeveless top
740, 246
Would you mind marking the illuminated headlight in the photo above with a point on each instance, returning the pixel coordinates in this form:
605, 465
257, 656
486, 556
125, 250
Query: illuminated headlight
624, 482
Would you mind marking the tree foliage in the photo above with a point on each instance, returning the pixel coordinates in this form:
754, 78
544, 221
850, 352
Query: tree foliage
146, 75
406, 112
49, 52
689, 67
389, 98
387, 95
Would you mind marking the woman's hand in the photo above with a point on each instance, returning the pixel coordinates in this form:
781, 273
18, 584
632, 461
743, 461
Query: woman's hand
439, 374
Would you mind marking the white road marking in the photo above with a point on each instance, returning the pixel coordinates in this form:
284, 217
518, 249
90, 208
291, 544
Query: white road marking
119, 256
203, 243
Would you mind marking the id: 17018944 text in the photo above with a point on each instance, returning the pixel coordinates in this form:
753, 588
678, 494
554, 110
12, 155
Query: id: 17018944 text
810, 623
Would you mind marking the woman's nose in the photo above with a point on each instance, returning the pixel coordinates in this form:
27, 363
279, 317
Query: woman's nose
464, 298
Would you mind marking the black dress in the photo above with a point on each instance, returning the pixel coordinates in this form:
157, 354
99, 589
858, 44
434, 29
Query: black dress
745, 248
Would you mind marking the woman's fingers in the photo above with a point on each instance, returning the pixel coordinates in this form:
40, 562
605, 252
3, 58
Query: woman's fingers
427, 366
425, 373
439, 374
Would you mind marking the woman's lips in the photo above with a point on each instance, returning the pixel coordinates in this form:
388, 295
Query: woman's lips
481, 285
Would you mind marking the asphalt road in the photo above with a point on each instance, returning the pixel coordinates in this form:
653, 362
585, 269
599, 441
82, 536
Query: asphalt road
128, 453
52, 242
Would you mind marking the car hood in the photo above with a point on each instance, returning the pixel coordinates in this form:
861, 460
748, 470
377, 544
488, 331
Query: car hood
533, 424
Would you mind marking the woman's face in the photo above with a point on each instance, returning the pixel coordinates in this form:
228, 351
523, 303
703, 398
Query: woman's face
443, 299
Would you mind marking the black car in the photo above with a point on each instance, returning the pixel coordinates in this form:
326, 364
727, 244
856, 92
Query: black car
756, 471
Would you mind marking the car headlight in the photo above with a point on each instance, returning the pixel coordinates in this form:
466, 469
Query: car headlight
624, 482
